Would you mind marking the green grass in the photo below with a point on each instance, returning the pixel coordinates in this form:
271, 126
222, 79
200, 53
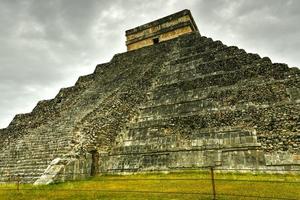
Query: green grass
184, 186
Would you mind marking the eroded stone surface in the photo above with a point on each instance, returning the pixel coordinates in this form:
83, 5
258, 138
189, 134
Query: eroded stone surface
185, 103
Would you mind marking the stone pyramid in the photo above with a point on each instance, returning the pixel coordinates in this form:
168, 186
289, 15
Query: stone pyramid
185, 103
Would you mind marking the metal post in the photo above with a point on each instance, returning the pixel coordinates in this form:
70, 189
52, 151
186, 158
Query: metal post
213, 182
18, 182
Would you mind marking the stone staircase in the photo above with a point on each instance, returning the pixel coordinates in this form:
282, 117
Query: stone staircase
190, 102
30, 156
202, 110
78, 120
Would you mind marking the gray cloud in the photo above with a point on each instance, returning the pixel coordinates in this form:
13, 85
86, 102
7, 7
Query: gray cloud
268, 27
46, 45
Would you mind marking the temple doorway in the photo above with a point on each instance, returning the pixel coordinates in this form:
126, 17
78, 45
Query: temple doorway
95, 163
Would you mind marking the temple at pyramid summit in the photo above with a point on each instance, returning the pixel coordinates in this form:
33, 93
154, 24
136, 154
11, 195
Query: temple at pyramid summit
164, 29
176, 100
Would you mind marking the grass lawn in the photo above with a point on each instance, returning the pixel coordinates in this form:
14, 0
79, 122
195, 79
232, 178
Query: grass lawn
182, 186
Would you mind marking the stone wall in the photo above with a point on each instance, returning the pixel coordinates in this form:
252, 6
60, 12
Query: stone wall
189, 102
80, 119
162, 36
213, 105
163, 29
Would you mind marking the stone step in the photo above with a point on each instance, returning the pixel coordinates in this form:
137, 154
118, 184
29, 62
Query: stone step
21, 163
190, 40
145, 133
64, 140
218, 99
37, 153
195, 146
204, 57
186, 55
35, 143
227, 94
34, 155
229, 64
187, 47
170, 120
44, 135
23, 169
49, 149
222, 78
196, 48
178, 108
203, 53
29, 145
189, 109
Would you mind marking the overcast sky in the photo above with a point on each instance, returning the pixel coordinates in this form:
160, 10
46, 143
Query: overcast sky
47, 44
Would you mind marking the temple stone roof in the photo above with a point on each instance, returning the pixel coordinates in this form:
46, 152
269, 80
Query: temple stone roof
163, 29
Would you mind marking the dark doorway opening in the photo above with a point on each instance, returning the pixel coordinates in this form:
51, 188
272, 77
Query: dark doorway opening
95, 163
155, 40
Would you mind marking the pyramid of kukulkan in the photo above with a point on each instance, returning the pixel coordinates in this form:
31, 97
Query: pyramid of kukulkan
175, 100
